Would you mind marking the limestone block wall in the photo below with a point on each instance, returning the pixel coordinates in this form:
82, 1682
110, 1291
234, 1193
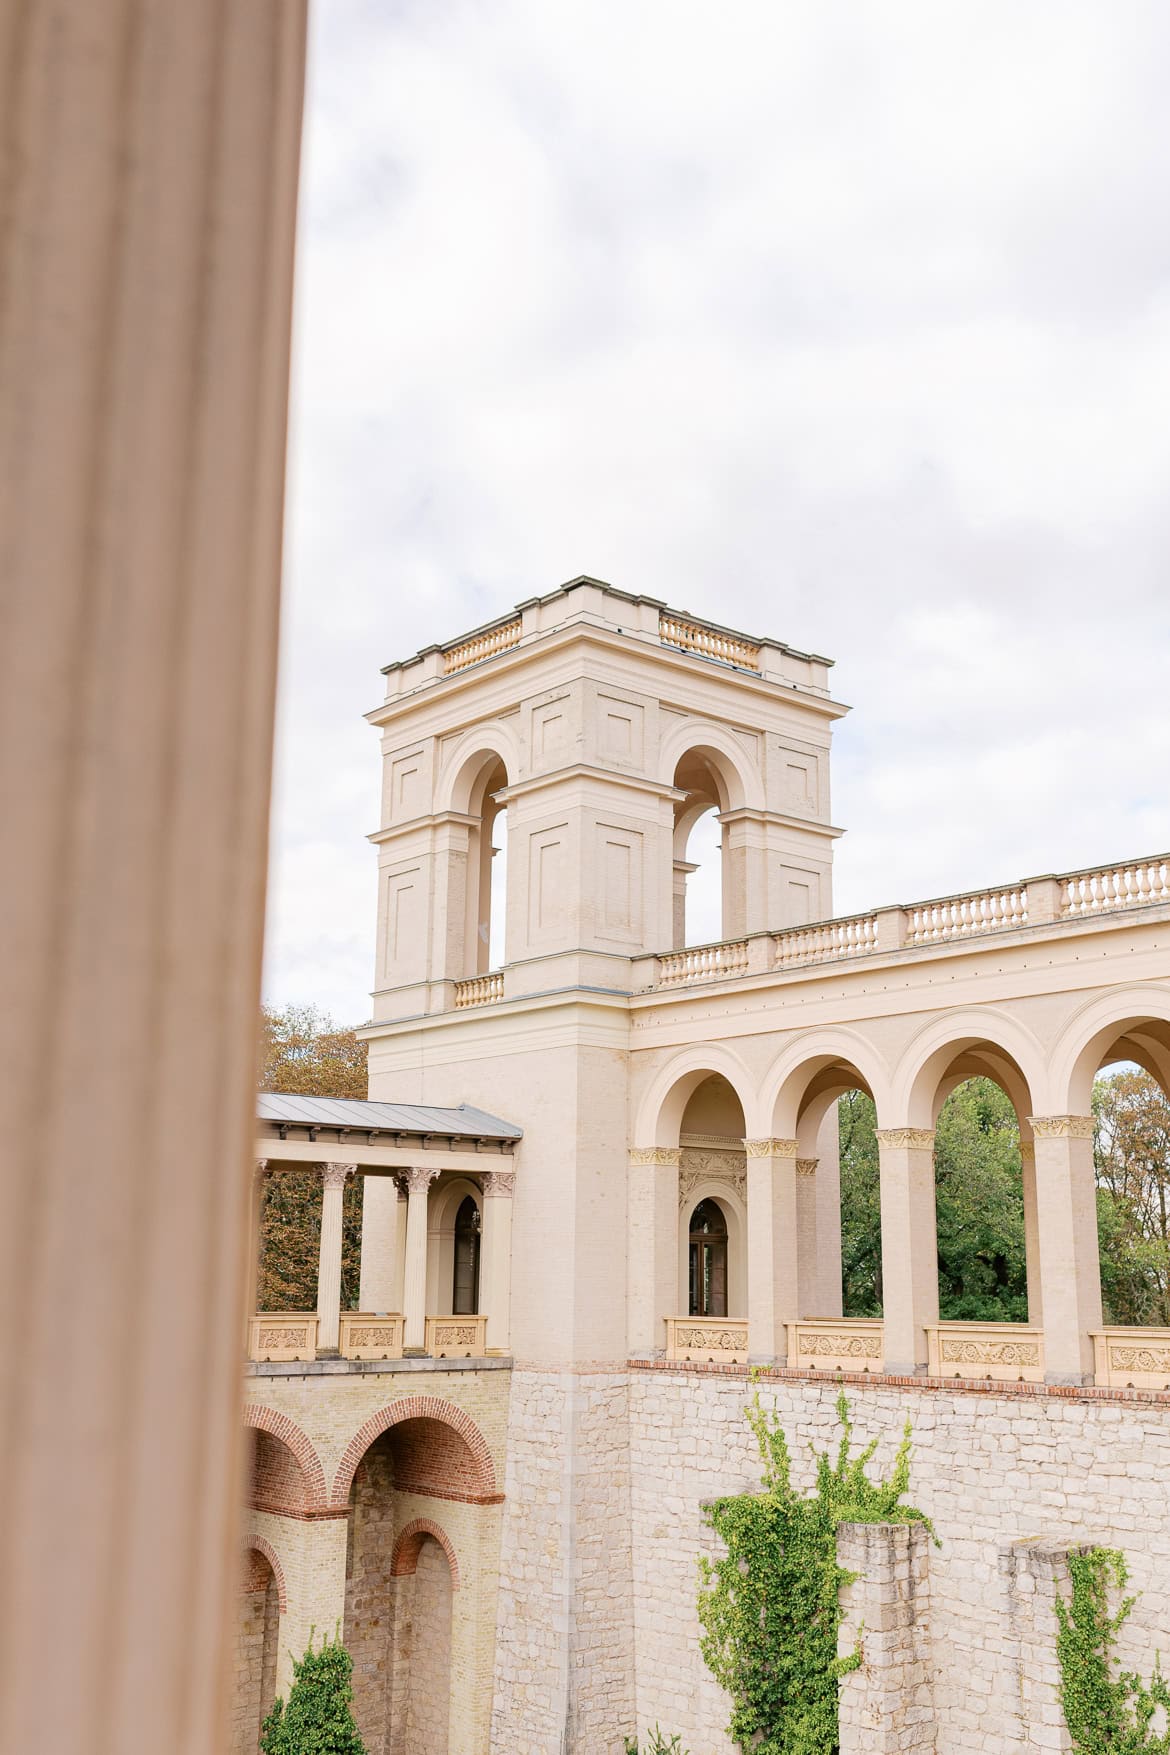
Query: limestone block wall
257, 1631
992, 1468
886, 1705
429, 1695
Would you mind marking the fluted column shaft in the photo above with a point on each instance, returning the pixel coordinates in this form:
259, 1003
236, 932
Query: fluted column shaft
414, 1292
380, 1290
1070, 1263
909, 1245
495, 1272
772, 1247
149, 160
334, 1178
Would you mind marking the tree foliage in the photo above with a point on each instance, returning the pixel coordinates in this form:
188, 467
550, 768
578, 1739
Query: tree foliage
317, 1719
769, 1609
980, 1209
304, 1052
1106, 1713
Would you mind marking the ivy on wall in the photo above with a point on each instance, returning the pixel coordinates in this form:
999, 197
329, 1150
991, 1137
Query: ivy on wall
1106, 1713
770, 1608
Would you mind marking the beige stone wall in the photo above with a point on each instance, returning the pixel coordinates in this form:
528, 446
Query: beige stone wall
887, 1704
430, 1663
989, 1468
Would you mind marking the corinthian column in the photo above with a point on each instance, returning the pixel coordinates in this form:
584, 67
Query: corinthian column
495, 1278
334, 1178
148, 159
414, 1294
909, 1245
1070, 1263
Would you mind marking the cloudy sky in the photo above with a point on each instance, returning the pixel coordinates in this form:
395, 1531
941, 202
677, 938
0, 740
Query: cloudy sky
847, 322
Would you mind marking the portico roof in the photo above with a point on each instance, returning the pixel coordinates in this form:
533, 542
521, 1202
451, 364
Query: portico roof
420, 1119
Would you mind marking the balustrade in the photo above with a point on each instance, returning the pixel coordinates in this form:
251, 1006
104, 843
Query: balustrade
480, 990
965, 916
836, 1344
370, 1337
1131, 1358
456, 1337
703, 963
1004, 1351
710, 1340
829, 938
1115, 886
708, 642
283, 1335
481, 646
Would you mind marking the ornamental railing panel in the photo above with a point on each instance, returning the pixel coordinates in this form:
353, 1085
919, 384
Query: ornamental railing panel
708, 642
370, 1337
480, 990
481, 646
1131, 1358
1115, 886
853, 937
703, 963
929, 923
282, 1335
707, 1340
836, 1344
456, 1337
1008, 1352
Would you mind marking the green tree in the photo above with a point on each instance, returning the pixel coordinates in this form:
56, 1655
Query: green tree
317, 1719
861, 1223
1131, 1149
306, 1053
770, 1609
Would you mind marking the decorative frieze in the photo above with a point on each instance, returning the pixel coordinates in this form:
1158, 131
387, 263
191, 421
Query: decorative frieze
456, 1337
770, 1148
1061, 1127
657, 1157
1132, 1358
291, 1335
1004, 1350
708, 1339
836, 1345
903, 1139
807, 1166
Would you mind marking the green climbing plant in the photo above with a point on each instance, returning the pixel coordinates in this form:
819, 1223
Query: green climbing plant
317, 1719
769, 1609
1107, 1713
658, 1744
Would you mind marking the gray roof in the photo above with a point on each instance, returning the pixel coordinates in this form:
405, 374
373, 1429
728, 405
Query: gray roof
463, 1122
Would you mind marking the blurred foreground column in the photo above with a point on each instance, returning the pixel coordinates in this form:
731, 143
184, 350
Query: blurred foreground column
148, 170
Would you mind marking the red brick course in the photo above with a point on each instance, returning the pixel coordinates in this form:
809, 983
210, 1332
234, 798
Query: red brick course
273, 1472
411, 1538
447, 1457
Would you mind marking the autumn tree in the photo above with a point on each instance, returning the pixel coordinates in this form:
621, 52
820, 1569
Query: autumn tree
306, 1053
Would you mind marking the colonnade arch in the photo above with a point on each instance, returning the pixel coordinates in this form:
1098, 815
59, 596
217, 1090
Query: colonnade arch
1047, 1082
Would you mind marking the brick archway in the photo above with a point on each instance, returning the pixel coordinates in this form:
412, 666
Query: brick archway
279, 1426
410, 1540
421, 1407
263, 1546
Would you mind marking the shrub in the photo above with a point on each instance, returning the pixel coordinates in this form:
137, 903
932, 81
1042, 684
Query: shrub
317, 1719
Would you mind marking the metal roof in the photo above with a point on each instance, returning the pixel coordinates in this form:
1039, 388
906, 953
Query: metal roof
463, 1122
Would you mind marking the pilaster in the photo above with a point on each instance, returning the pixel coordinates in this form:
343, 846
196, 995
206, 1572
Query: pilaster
909, 1245
773, 1248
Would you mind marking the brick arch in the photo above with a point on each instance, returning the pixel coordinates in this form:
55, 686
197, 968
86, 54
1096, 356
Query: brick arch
289, 1433
410, 1539
261, 1545
419, 1407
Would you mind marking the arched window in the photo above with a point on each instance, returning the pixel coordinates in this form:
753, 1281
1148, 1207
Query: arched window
705, 906
708, 1260
465, 1287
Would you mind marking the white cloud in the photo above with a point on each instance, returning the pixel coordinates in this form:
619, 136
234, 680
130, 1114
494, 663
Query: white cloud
848, 323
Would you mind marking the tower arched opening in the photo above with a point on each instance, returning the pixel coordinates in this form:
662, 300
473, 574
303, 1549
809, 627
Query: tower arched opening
704, 907
475, 796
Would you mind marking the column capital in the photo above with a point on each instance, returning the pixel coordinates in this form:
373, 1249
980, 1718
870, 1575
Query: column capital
260, 1170
807, 1166
336, 1175
661, 1157
771, 1148
913, 1139
419, 1178
498, 1184
1061, 1127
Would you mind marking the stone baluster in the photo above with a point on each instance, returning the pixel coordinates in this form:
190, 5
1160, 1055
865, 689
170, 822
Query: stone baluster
652, 1292
495, 1275
909, 1245
1070, 1265
414, 1293
379, 1285
772, 1248
334, 1178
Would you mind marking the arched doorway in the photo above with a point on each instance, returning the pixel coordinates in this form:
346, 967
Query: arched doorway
256, 1648
421, 1682
465, 1275
707, 1261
